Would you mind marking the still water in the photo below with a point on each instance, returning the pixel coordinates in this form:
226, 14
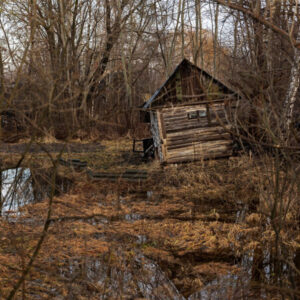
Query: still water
144, 278
21, 186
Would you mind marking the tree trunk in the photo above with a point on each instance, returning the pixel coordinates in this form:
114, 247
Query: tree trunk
291, 95
2, 88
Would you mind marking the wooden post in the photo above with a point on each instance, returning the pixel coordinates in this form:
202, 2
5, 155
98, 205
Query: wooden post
162, 134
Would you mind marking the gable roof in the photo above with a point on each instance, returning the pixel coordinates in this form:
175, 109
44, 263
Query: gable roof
204, 73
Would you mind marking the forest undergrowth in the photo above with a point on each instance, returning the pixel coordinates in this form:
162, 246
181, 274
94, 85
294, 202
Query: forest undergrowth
199, 224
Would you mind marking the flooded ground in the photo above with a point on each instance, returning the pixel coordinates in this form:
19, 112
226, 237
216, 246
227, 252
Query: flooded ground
189, 232
21, 186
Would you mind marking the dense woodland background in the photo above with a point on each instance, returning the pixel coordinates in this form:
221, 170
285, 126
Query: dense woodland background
82, 68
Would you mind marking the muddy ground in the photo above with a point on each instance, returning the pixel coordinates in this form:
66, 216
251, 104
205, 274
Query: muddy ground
190, 231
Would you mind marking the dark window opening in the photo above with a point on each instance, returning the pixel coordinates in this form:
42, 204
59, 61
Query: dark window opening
197, 114
144, 117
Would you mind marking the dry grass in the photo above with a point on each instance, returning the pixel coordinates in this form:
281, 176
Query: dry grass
187, 224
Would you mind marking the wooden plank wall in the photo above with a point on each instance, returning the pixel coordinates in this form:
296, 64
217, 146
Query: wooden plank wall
156, 134
185, 139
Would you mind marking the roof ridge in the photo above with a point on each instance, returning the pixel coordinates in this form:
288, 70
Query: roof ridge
206, 73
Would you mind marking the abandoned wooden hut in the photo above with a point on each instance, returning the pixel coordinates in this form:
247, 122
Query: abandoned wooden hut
191, 116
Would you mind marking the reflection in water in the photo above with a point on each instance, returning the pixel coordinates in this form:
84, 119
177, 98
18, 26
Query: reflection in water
22, 186
256, 280
241, 213
132, 217
16, 189
149, 194
120, 278
226, 287
139, 277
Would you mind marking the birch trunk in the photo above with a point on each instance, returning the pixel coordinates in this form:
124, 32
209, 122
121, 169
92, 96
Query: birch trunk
294, 83
291, 95
2, 89
174, 41
182, 28
216, 37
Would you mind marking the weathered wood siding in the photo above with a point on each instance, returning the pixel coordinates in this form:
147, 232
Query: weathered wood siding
195, 132
155, 131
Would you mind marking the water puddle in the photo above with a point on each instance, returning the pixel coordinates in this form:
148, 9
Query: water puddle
149, 194
227, 287
141, 239
16, 189
132, 217
118, 276
131, 275
256, 280
241, 213
22, 186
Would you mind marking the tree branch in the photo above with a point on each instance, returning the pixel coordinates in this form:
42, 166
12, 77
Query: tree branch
261, 20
